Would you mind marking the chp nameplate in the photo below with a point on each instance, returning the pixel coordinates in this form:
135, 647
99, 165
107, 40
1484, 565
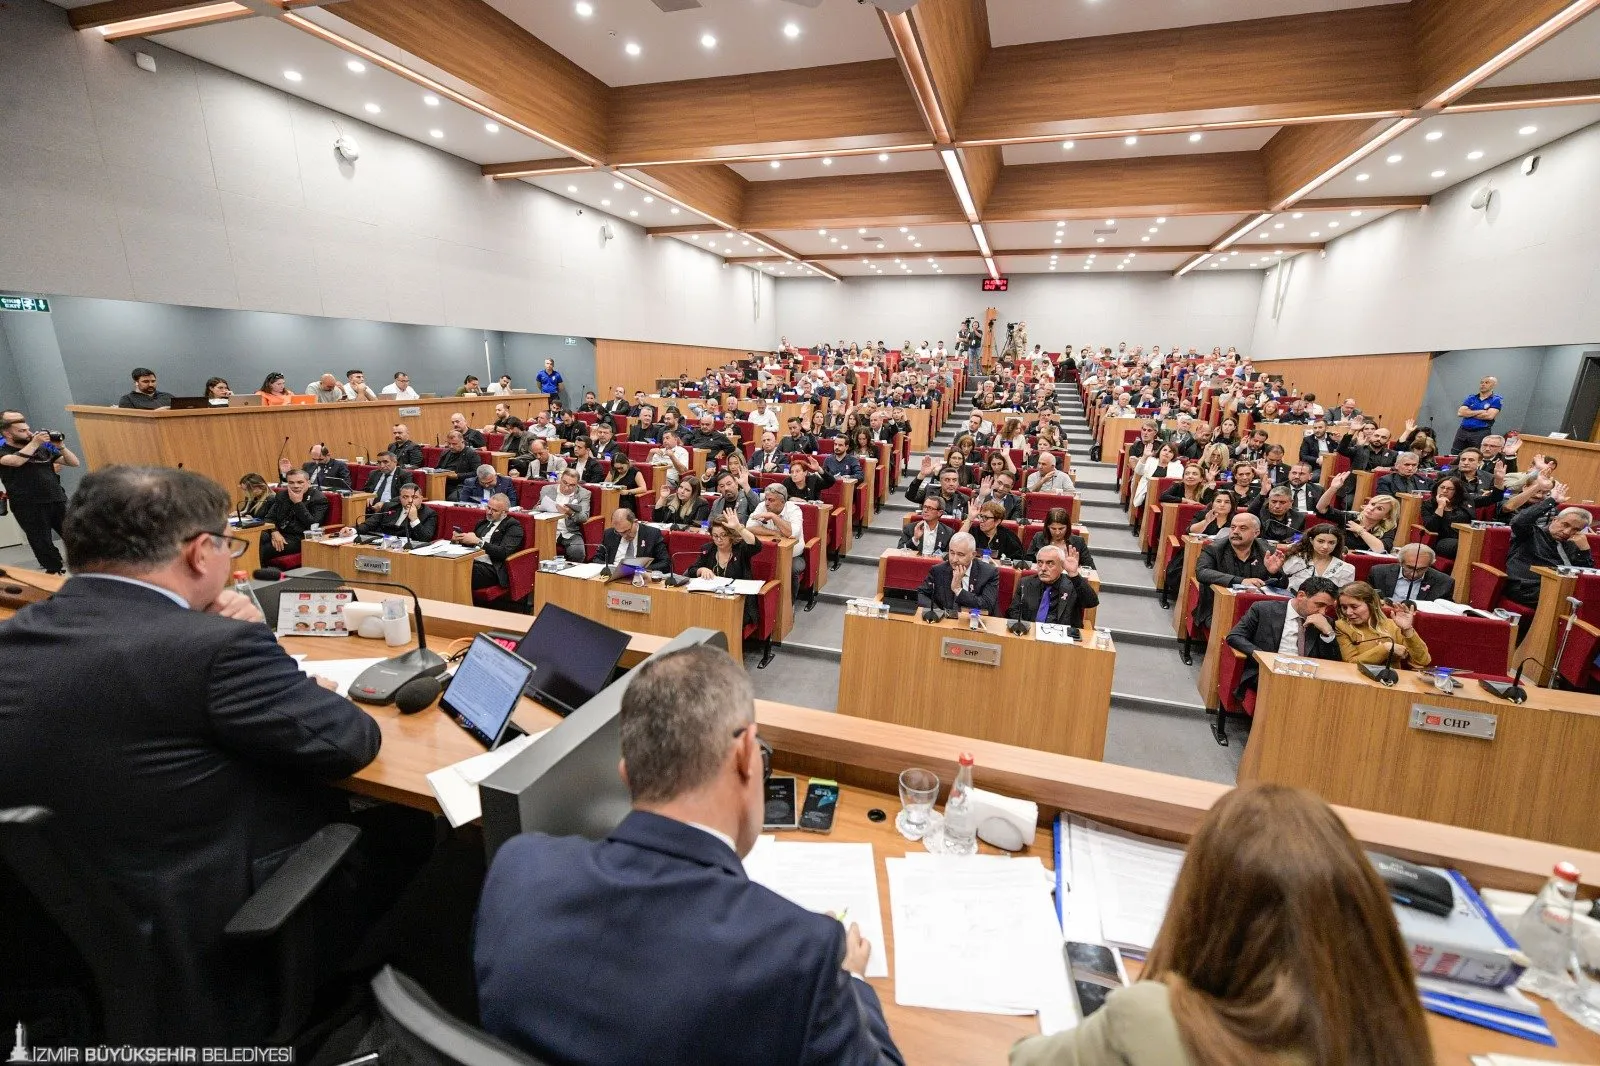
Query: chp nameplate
1479, 724
970, 651
372, 564
628, 601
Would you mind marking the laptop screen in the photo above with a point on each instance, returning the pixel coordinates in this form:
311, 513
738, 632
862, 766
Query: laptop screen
485, 690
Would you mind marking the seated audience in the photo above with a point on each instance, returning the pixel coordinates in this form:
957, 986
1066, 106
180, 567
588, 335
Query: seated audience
355, 386
1320, 553
325, 472
386, 480
1451, 503
1545, 534
1058, 594
255, 497
778, 516
406, 516
1413, 579
473, 438
500, 537
582, 463
1367, 635
1238, 560
983, 523
963, 582
1280, 522
628, 538
217, 393
924, 533
459, 462
682, 506
144, 396
486, 483
407, 452
732, 550
1298, 626
326, 389
1403, 478
1372, 528
1058, 531
294, 510
1048, 478
400, 388
274, 391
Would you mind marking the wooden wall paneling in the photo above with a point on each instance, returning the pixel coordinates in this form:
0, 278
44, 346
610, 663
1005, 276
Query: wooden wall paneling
1296, 155
982, 165
637, 364
916, 197
1459, 41
953, 36
503, 65
817, 109
93, 16
532, 168
1387, 387
1508, 97
714, 190
1335, 63
1218, 183
1578, 463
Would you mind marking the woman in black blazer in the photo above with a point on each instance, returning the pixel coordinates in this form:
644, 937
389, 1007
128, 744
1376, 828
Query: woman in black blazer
729, 555
626, 478
682, 506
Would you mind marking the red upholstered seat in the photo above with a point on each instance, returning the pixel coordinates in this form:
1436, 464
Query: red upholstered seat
1363, 562
494, 440
905, 573
1231, 668
335, 517
1489, 572
1035, 505
1479, 645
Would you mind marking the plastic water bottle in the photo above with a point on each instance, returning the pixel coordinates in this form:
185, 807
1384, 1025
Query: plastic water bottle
1544, 933
241, 585
988, 556
973, 622
960, 831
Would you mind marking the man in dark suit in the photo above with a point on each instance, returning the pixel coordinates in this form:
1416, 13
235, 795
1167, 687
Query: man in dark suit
407, 452
1298, 627
963, 582
500, 536
1240, 559
618, 404
924, 533
653, 945
459, 461
473, 438
179, 747
1304, 492
1316, 444
406, 517
628, 538
646, 429
582, 463
1058, 595
1403, 478
386, 480
293, 511
326, 472
486, 483
1413, 579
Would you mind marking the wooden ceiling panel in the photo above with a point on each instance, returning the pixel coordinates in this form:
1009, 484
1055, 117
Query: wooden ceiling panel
1512, 97
781, 112
711, 189
93, 16
954, 39
1264, 71
982, 165
1459, 43
1217, 184
1298, 155
911, 198
511, 70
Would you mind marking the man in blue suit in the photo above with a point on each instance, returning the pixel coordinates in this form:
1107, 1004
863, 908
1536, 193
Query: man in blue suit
488, 482
652, 946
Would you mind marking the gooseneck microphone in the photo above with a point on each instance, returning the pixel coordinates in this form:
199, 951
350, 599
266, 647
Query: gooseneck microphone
283, 453
1511, 691
1383, 675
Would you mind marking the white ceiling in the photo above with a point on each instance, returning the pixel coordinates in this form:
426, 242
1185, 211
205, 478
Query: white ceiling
1129, 232
930, 239
1245, 259
1306, 227
1024, 21
1104, 263
1494, 133
910, 268
749, 36
598, 191
868, 163
264, 49
1245, 140
1572, 55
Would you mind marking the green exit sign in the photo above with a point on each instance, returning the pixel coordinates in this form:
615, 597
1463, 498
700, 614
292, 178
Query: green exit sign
24, 303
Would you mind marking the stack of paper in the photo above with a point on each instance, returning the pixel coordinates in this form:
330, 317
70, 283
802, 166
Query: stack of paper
1134, 877
748, 587
978, 934
581, 571
837, 879
341, 671
456, 785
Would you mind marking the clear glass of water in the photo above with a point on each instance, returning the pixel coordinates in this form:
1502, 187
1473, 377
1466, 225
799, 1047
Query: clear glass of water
1581, 1002
919, 790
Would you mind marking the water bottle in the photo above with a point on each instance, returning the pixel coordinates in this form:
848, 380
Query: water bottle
960, 831
988, 556
972, 620
241, 585
1544, 933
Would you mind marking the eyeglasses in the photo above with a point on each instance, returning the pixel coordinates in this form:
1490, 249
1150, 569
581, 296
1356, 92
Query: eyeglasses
766, 749
235, 545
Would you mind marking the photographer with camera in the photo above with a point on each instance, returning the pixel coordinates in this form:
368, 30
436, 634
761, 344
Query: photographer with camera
30, 465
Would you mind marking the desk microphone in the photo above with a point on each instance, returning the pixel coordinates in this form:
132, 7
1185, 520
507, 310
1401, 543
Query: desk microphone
1574, 605
1383, 675
283, 452
1512, 692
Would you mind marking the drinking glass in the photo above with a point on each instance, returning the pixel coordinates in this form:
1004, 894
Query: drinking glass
1582, 1001
919, 790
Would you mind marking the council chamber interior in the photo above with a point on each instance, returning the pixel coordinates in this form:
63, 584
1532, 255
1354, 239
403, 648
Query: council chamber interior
541, 346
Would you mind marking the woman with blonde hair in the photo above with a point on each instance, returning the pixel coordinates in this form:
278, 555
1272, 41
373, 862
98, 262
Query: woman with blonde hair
1373, 526
1367, 635
1279, 947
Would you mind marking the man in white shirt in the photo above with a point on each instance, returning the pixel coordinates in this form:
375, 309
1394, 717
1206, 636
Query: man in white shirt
355, 386
925, 534
326, 389
672, 456
1047, 478
400, 388
763, 416
501, 387
779, 516
570, 500
542, 428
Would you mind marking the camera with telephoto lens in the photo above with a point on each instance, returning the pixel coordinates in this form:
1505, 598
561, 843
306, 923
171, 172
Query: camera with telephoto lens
57, 438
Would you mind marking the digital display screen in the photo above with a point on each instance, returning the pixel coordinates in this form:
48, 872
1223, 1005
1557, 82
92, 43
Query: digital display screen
485, 690
996, 284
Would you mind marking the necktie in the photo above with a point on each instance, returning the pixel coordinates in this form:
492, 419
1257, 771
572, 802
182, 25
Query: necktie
1300, 641
1044, 607
383, 489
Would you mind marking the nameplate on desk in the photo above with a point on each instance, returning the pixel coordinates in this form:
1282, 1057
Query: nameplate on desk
618, 600
1479, 724
410, 412
970, 651
372, 564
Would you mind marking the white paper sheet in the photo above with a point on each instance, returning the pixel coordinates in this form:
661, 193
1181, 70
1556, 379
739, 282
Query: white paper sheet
1134, 878
342, 671
824, 877
582, 571
746, 587
456, 786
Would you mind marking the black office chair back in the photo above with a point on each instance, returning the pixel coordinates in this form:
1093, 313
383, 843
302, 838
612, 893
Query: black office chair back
418, 1031
63, 897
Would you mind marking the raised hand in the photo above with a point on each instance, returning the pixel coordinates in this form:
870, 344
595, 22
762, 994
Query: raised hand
1070, 567
1404, 616
1513, 445
1339, 479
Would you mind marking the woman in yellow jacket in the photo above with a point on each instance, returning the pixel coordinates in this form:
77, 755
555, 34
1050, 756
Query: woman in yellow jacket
1366, 635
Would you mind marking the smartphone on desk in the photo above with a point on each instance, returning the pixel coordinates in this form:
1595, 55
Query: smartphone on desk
1096, 971
822, 799
781, 808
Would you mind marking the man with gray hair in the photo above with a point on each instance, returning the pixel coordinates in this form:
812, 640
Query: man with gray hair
963, 582
570, 500
653, 944
1413, 579
476, 493
1403, 478
500, 536
179, 747
1048, 478
1545, 534
1058, 594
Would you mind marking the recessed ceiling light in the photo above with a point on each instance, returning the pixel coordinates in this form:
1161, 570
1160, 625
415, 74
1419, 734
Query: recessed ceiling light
1434, 135
1086, 266
430, 99
833, 240
1061, 225
583, 8
863, 262
1277, 225
437, 135
707, 41
1122, 266
1394, 158
1153, 229
827, 161
918, 244
649, 199
1334, 224
822, 233
1436, 174
1277, 252
694, 236
675, 210
1262, 236
1099, 240
844, 247
1474, 155
1528, 131
605, 203
632, 48
355, 66
1067, 146
616, 185
293, 75
1130, 141
492, 127
1298, 214
373, 109
1162, 221
1194, 138
633, 214
1111, 222
775, 164
1052, 266
1355, 214
1316, 233
1363, 177
883, 157
745, 243
572, 188
1145, 239
791, 30
1058, 240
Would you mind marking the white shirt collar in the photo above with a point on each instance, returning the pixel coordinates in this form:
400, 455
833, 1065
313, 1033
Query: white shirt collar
719, 834
168, 593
